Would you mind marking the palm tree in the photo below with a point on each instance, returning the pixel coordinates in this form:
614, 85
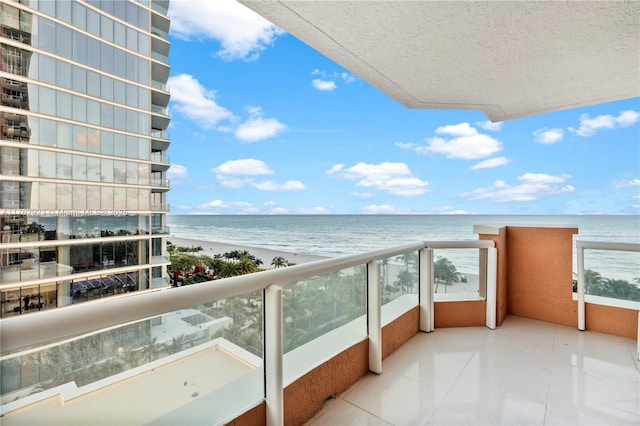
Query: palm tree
279, 262
230, 269
152, 349
247, 266
445, 271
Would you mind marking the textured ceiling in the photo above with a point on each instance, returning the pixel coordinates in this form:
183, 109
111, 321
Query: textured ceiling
507, 58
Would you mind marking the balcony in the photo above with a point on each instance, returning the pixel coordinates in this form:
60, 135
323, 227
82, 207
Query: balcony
159, 207
162, 184
328, 326
161, 230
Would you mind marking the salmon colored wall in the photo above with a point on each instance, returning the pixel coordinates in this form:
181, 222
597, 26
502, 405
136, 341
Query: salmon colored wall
257, 416
611, 320
500, 241
460, 314
539, 274
304, 397
398, 332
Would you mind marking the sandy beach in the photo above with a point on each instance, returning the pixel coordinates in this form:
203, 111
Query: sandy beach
211, 248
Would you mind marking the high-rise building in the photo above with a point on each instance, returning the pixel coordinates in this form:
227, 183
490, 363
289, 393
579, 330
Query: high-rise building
83, 115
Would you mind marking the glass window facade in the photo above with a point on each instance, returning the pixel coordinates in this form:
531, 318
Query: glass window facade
79, 118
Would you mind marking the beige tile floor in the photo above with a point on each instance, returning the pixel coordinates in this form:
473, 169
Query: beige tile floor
525, 372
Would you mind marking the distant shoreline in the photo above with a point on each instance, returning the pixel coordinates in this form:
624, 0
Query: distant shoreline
211, 248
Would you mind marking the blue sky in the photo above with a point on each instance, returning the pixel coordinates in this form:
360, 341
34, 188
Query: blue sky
263, 124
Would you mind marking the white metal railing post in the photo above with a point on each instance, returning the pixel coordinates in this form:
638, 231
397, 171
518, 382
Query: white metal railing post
374, 316
492, 275
274, 394
580, 266
638, 341
426, 289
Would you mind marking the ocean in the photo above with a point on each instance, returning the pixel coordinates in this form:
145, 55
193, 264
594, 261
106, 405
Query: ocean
337, 235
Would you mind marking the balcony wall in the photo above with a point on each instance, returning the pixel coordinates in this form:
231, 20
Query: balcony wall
535, 281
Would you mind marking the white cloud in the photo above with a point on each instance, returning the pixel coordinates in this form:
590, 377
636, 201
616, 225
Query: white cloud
405, 145
491, 163
488, 125
290, 185
197, 103
219, 204
548, 136
248, 166
461, 129
589, 126
270, 204
467, 143
381, 209
323, 85
636, 197
347, 78
335, 169
448, 210
241, 32
257, 129
177, 172
239, 173
328, 80
532, 187
393, 178
627, 183
314, 210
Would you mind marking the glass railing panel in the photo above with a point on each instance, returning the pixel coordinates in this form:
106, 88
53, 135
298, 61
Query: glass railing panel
399, 285
457, 274
613, 274
322, 316
182, 361
159, 134
399, 276
158, 85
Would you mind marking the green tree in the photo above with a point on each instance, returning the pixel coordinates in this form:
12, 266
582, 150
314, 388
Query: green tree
445, 272
230, 268
278, 262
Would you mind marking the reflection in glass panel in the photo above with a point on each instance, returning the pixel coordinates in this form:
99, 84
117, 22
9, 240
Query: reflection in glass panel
93, 112
47, 164
143, 199
93, 169
132, 199
119, 198
64, 166
316, 306
79, 49
457, 271
79, 109
399, 276
93, 197
106, 170
64, 196
79, 197
106, 197
80, 167
106, 143
119, 171
64, 135
132, 173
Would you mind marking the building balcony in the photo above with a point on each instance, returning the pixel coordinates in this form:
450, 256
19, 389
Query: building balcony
163, 184
161, 230
159, 207
372, 337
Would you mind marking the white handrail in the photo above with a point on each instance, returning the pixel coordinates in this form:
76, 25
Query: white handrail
60, 323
